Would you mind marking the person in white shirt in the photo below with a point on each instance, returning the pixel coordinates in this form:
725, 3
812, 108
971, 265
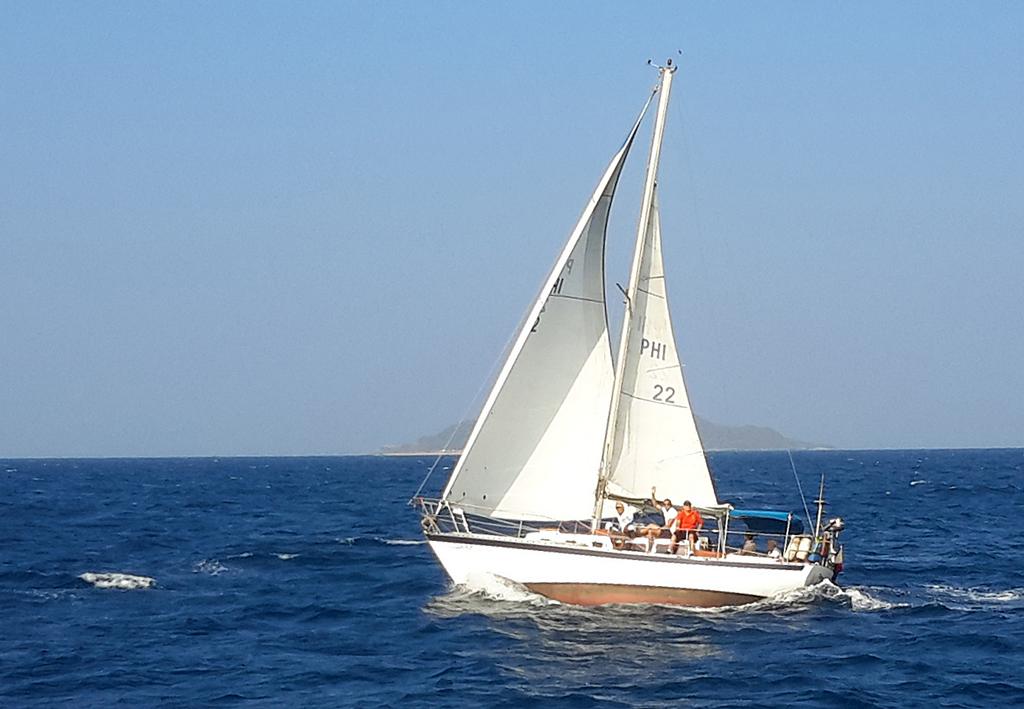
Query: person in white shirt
623, 518
652, 531
773, 550
622, 528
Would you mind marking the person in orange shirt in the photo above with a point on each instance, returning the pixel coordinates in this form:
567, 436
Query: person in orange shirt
687, 522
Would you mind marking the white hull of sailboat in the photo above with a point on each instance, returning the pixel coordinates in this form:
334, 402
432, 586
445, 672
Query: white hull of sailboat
585, 576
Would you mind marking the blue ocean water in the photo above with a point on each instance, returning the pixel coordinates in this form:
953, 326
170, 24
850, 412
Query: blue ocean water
304, 582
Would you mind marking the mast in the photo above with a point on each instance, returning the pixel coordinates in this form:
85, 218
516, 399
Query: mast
646, 207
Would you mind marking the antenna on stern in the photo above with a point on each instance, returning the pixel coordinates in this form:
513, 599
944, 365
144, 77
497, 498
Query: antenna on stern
821, 506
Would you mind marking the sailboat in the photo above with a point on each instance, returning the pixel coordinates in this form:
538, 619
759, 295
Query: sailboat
565, 435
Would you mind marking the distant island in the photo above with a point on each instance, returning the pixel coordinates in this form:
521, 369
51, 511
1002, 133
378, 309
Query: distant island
715, 437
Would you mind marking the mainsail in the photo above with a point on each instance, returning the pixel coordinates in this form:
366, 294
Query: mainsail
655, 441
535, 449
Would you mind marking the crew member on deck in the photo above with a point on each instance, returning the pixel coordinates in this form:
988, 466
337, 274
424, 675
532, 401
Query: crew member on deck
749, 545
653, 530
686, 523
622, 528
623, 519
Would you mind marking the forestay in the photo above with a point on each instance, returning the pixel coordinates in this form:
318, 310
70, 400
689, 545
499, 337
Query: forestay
655, 440
535, 449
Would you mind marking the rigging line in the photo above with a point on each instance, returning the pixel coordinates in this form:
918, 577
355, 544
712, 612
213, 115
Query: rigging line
694, 193
576, 297
437, 460
798, 487
690, 168
469, 408
653, 295
661, 369
654, 401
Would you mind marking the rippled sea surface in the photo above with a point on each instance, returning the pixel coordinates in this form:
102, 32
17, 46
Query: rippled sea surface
304, 582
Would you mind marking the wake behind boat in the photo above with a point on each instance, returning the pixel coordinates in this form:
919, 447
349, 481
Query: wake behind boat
554, 478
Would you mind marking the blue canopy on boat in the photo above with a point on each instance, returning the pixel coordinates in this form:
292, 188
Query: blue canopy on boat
769, 521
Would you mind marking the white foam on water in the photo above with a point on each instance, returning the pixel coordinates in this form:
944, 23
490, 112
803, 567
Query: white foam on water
917, 482
860, 600
976, 595
209, 566
794, 599
48, 595
124, 582
499, 588
379, 540
805, 595
285, 557
857, 598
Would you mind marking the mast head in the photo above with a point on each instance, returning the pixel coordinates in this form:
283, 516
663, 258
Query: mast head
669, 66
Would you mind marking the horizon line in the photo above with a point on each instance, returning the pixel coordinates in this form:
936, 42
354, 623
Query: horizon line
239, 456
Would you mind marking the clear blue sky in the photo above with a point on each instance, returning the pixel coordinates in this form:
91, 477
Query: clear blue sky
279, 228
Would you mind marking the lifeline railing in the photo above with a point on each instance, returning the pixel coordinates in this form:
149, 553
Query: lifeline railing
442, 517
